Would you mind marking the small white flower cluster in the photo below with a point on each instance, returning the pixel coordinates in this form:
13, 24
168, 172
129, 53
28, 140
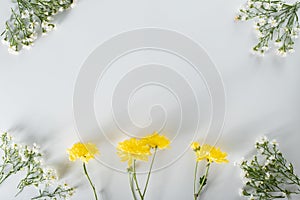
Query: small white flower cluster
54, 192
268, 175
274, 20
28, 20
17, 158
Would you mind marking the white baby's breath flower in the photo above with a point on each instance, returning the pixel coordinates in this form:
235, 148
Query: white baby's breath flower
266, 5
262, 21
239, 162
272, 158
274, 142
5, 42
13, 50
296, 29
28, 47
241, 192
273, 22
35, 148
262, 139
265, 48
250, 3
278, 43
25, 14
243, 174
281, 53
258, 4
268, 162
251, 197
236, 164
36, 159
279, 6
245, 181
295, 33
23, 157
267, 175
291, 51
258, 183
33, 36
259, 34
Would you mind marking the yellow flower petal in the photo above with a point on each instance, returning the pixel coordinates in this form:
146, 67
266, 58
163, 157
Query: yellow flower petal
195, 146
156, 140
209, 153
203, 152
216, 155
133, 149
82, 151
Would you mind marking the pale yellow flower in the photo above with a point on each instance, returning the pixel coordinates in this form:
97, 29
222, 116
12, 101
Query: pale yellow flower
210, 153
133, 149
156, 140
83, 151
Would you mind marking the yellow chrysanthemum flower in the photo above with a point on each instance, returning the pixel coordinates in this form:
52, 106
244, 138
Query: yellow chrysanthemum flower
156, 140
83, 151
133, 149
211, 154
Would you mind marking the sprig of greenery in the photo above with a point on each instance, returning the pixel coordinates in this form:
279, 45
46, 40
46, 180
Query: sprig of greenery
17, 158
202, 180
29, 19
268, 175
274, 20
48, 193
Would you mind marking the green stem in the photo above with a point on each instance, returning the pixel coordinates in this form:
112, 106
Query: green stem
195, 179
88, 177
136, 181
2, 33
149, 173
6, 177
203, 181
131, 186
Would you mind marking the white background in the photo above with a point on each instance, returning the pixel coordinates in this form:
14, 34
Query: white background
36, 90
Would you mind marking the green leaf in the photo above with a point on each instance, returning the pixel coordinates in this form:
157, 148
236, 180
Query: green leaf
203, 180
